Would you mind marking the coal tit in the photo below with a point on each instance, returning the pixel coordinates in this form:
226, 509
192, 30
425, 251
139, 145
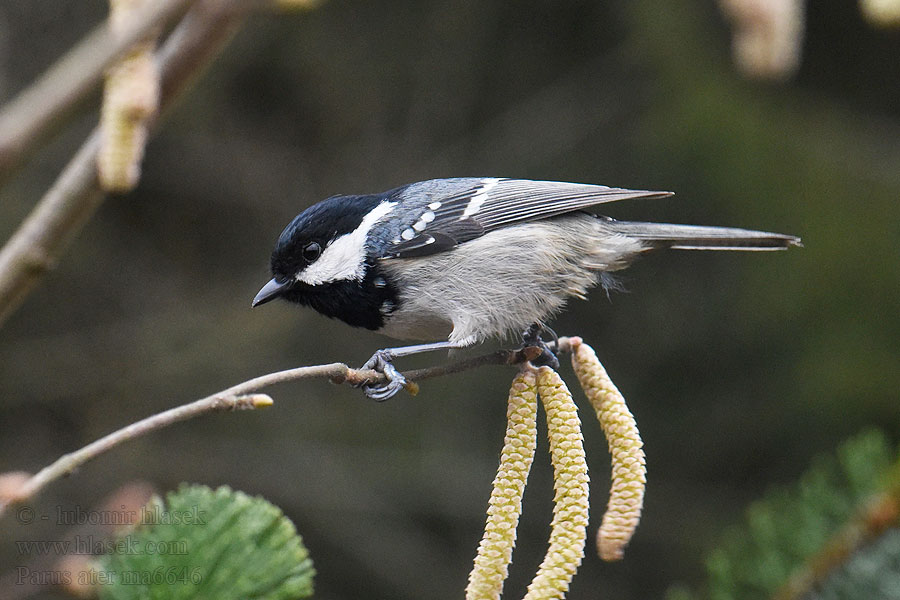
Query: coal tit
467, 259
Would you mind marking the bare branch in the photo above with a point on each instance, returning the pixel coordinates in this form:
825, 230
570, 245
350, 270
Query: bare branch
69, 462
35, 246
28, 117
240, 396
501, 357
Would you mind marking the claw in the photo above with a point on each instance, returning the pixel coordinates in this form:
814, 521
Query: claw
532, 337
555, 343
381, 362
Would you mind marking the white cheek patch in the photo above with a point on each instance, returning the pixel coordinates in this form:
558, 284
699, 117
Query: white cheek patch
344, 257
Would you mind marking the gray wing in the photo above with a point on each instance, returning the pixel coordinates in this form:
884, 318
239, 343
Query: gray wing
450, 212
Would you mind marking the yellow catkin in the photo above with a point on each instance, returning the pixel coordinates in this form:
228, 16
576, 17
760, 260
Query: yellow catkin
296, 4
13, 487
629, 471
767, 36
130, 100
505, 506
881, 13
570, 481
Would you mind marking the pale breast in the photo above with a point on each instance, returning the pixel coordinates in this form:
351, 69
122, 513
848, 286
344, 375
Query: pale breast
500, 283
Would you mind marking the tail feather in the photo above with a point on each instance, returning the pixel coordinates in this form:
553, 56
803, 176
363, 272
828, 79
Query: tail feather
700, 237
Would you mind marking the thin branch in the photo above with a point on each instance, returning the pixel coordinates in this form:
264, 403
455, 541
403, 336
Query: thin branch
26, 119
501, 357
35, 246
69, 462
199, 37
237, 397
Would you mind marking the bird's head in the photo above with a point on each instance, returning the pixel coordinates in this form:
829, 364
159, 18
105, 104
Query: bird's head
322, 259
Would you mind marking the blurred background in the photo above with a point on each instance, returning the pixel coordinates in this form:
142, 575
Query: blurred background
738, 367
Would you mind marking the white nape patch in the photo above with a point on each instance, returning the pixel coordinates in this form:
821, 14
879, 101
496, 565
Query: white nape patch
344, 257
478, 199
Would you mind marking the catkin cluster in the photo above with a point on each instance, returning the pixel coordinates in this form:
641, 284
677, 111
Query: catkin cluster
570, 513
570, 478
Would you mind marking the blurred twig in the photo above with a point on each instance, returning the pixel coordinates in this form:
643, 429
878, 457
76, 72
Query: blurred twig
240, 396
25, 120
68, 204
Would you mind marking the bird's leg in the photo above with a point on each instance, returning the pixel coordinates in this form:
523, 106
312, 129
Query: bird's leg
382, 361
532, 337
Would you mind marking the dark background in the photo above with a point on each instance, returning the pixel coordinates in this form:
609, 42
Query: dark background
739, 367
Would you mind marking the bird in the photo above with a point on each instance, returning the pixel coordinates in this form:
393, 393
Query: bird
458, 261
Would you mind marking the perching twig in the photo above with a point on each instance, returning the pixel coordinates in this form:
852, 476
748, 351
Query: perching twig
65, 208
241, 396
25, 120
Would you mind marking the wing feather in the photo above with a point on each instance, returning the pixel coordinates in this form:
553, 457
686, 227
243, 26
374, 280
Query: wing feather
488, 204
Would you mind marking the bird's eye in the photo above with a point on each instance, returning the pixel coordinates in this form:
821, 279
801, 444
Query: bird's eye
311, 251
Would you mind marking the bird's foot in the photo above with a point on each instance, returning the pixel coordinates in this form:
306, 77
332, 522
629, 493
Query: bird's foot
381, 362
532, 337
